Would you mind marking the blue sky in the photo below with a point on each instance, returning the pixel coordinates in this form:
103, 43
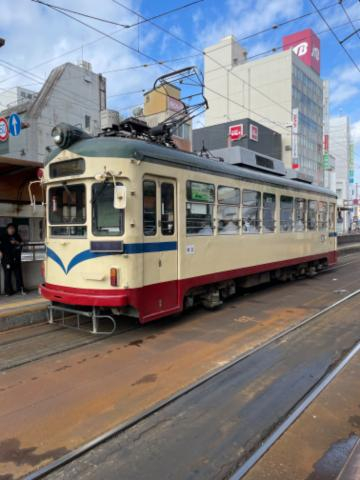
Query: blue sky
35, 35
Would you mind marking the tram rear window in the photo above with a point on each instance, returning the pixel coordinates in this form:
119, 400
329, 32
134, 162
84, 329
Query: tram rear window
67, 205
67, 168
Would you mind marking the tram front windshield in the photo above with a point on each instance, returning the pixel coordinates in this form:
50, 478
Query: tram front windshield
106, 220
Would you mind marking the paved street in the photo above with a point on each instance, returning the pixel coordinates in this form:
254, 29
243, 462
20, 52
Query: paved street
46, 407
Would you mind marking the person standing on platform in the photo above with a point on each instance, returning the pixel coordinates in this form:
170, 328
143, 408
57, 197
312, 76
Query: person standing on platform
10, 248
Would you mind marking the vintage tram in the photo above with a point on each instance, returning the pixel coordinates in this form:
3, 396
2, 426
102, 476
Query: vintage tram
136, 228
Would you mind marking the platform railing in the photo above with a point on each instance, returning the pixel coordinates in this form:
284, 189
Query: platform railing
33, 251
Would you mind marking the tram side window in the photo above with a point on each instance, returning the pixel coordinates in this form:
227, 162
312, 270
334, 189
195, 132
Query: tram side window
199, 208
228, 210
300, 211
286, 213
167, 209
149, 207
331, 216
322, 215
269, 200
107, 220
251, 202
312, 215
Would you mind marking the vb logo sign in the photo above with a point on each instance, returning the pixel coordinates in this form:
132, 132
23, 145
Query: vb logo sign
301, 49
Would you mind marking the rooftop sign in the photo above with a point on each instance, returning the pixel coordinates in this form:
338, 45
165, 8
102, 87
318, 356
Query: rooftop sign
306, 45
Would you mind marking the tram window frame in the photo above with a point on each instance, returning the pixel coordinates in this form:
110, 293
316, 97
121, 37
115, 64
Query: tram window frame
249, 205
323, 222
55, 203
98, 190
190, 193
146, 230
311, 224
167, 215
331, 217
271, 226
300, 221
286, 221
228, 210
199, 210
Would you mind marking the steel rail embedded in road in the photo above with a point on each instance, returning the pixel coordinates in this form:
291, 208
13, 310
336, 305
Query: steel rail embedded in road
122, 427
281, 429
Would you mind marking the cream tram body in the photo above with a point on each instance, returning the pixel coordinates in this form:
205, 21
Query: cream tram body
191, 228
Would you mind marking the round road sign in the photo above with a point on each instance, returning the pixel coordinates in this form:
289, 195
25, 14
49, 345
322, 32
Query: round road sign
4, 129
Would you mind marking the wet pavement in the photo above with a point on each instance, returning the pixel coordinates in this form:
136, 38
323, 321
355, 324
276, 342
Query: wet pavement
318, 444
59, 402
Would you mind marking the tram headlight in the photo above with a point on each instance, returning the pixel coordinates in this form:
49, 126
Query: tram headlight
58, 136
65, 135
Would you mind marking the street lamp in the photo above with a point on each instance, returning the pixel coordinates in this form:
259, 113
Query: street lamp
2, 42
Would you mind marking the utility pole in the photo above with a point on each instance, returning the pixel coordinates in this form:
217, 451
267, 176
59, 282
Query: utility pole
2, 42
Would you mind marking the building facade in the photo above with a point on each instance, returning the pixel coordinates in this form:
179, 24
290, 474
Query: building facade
159, 105
281, 91
243, 132
340, 146
72, 93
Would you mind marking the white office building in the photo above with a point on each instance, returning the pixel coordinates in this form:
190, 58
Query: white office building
279, 91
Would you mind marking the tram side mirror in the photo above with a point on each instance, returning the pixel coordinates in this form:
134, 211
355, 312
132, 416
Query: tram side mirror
120, 197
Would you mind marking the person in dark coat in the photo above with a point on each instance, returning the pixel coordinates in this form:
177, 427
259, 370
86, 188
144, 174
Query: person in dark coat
10, 248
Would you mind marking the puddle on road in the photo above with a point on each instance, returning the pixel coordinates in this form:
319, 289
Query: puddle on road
330, 464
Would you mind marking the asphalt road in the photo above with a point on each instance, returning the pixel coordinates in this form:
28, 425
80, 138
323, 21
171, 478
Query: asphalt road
210, 431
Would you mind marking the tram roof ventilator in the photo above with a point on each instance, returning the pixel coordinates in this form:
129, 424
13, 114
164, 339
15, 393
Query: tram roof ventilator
252, 160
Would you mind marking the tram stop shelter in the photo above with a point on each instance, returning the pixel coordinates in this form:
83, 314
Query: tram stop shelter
15, 207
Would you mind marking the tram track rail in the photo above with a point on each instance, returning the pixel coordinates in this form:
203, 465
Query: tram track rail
87, 340
57, 327
269, 441
121, 428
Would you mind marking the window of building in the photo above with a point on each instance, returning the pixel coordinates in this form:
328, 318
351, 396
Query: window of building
269, 203
300, 212
331, 216
323, 214
251, 204
199, 210
167, 209
312, 215
87, 121
286, 213
107, 220
228, 210
149, 207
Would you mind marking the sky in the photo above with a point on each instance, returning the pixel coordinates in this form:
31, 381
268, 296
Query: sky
39, 38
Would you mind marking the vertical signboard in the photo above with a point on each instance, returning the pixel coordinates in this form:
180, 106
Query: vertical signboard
326, 152
351, 163
294, 138
254, 133
306, 45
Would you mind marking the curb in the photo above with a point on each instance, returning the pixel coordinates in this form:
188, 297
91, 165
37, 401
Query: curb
28, 316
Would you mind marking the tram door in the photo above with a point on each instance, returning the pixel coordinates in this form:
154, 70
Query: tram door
160, 253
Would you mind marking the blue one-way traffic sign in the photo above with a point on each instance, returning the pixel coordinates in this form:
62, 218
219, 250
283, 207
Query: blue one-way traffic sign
14, 124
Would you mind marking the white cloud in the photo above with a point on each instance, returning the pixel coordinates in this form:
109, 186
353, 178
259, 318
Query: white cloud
344, 85
35, 34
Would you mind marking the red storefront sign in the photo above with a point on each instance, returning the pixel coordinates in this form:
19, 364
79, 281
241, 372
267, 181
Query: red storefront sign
254, 133
236, 132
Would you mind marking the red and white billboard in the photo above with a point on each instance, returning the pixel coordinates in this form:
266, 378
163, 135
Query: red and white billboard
236, 132
306, 45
